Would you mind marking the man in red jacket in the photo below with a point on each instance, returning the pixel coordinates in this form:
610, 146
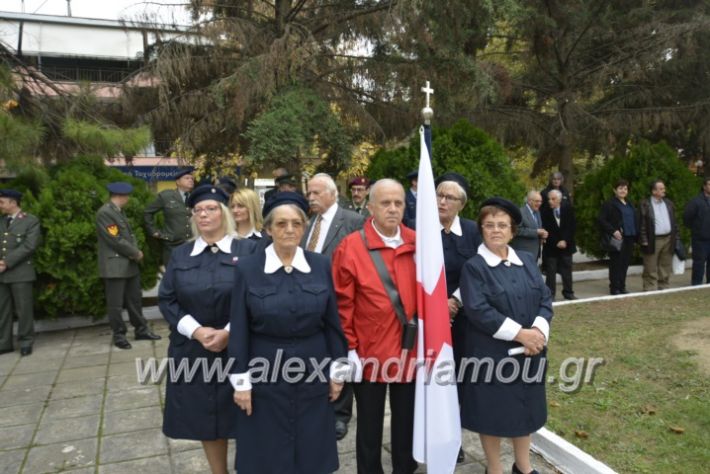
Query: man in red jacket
374, 330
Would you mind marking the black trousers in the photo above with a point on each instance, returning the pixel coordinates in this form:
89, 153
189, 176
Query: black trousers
370, 398
344, 404
561, 264
619, 265
125, 293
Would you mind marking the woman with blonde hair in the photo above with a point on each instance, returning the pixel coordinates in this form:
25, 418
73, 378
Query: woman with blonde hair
246, 210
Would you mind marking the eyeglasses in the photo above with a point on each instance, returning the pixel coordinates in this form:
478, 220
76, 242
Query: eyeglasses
206, 209
498, 225
447, 197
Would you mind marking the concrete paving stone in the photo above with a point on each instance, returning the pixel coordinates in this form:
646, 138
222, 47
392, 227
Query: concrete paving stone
132, 399
348, 464
8, 362
81, 348
153, 465
61, 457
36, 379
68, 429
121, 368
16, 437
83, 470
81, 373
20, 414
22, 396
85, 361
11, 461
29, 365
179, 445
133, 445
132, 420
194, 462
119, 356
120, 383
74, 407
78, 388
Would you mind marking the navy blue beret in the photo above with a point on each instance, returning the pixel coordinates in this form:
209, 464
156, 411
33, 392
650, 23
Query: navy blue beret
183, 172
412, 175
285, 197
205, 192
506, 206
456, 178
119, 187
11, 193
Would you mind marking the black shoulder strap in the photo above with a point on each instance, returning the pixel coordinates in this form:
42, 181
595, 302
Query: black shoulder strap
386, 281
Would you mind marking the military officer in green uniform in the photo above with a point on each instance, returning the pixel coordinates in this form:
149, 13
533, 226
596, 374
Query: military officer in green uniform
176, 214
20, 236
119, 256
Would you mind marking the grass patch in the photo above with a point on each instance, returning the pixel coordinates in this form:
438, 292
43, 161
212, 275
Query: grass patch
647, 409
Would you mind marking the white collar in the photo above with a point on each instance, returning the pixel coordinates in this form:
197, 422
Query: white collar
494, 260
391, 242
225, 245
253, 231
532, 211
273, 262
455, 226
329, 215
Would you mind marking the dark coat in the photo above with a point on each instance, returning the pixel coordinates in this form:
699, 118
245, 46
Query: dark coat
292, 426
410, 209
647, 225
19, 242
564, 231
610, 219
344, 223
118, 247
490, 295
697, 217
200, 286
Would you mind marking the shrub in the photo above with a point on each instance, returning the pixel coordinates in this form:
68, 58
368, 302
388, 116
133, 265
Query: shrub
643, 163
464, 149
66, 260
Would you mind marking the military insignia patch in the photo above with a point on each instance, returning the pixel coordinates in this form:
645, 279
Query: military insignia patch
112, 229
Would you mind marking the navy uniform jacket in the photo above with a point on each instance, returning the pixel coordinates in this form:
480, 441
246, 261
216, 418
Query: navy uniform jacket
200, 286
490, 296
292, 425
410, 209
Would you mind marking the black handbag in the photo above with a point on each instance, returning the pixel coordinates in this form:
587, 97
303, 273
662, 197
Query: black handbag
409, 328
680, 249
610, 244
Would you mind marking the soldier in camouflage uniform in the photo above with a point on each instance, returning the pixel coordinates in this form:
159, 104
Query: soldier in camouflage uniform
176, 214
119, 256
20, 236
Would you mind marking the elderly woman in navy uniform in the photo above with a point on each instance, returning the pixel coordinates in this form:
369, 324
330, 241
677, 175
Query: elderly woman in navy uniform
284, 309
460, 240
508, 307
195, 298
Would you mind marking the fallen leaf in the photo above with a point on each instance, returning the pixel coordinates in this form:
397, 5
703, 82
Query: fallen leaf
554, 404
648, 410
581, 434
677, 429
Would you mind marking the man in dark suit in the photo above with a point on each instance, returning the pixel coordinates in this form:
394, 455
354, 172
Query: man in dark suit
558, 220
119, 256
410, 200
176, 214
530, 232
20, 235
329, 225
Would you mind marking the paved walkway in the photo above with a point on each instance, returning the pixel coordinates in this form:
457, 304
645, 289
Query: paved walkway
75, 406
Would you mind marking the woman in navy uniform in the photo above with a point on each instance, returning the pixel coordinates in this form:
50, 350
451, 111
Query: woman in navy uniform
195, 298
508, 306
284, 309
460, 240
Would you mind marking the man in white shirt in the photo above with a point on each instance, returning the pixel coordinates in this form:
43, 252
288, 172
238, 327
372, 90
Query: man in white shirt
658, 231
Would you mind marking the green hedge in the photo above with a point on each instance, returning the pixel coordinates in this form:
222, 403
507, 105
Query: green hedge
464, 149
65, 199
643, 163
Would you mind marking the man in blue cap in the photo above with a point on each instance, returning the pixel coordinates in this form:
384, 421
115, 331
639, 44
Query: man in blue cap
176, 213
119, 257
20, 236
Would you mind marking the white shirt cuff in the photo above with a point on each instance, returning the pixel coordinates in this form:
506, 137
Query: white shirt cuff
187, 326
226, 328
457, 294
542, 324
355, 366
240, 382
340, 371
508, 330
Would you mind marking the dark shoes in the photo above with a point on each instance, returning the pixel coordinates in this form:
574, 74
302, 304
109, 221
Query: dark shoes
515, 470
122, 343
25, 351
147, 336
571, 297
341, 429
461, 456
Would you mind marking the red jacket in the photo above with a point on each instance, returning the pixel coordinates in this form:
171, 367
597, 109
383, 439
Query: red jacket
369, 321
